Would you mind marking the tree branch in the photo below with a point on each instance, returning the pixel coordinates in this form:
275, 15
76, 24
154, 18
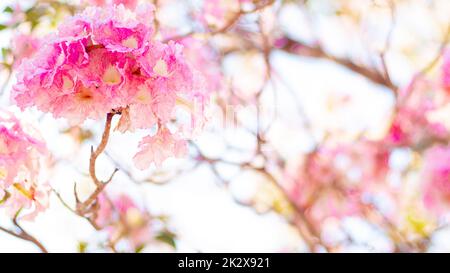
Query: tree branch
84, 207
24, 235
302, 49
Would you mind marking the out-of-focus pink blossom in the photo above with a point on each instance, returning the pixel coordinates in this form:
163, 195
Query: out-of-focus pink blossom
23, 46
216, 13
104, 60
104, 212
21, 183
205, 60
436, 179
411, 125
131, 4
446, 71
331, 181
123, 219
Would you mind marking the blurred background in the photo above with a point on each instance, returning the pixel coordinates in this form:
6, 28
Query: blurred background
318, 135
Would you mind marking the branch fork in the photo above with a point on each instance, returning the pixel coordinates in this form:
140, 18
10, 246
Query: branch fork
87, 206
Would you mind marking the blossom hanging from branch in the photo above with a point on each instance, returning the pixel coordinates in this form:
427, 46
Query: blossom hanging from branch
106, 60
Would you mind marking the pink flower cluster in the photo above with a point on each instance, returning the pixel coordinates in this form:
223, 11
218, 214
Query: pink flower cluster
21, 183
411, 126
123, 219
104, 60
203, 58
436, 179
331, 180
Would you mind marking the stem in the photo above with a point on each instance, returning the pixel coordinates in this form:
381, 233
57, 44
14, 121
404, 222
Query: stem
310, 234
227, 26
24, 236
306, 229
101, 147
83, 207
301, 49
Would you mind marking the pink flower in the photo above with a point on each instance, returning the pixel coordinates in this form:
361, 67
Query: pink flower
158, 148
81, 72
124, 220
436, 179
121, 30
23, 46
135, 223
21, 184
216, 13
331, 180
105, 60
105, 211
131, 4
446, 71
410, 125
96, 2
203, 58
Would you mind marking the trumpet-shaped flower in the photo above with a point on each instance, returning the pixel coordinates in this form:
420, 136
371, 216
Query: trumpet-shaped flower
159, 147
21, 182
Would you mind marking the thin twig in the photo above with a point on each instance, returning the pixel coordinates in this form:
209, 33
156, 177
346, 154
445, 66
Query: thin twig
24, 235
296, 47
227, 26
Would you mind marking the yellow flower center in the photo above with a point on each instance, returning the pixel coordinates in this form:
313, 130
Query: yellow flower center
143, 95
67, 83
160, 68
111, 75
134, 218
130, 42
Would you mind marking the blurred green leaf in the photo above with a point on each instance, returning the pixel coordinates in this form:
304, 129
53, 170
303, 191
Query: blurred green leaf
8, 9
139, 248
167, 237
5, 52
2, 27
163, 218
